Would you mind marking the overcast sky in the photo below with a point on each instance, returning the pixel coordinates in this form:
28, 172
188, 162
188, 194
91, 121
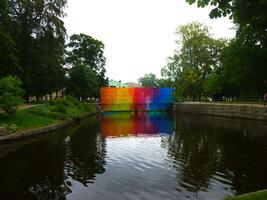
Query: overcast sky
138, 34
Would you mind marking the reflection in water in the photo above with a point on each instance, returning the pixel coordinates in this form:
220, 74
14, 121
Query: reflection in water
138, 156
209, 154
85, 156
114, 124
42, 169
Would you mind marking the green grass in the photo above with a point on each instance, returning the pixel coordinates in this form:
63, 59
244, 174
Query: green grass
47, 114
260, 195
24, 119
229, 102
236, 102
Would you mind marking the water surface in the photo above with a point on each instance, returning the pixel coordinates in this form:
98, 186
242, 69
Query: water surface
138, 156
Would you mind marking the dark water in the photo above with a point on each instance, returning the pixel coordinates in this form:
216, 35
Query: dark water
138, 156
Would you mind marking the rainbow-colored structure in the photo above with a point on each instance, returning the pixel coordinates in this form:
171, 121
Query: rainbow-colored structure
141, 99
122, 124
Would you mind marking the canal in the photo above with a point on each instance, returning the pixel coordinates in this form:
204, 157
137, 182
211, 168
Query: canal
144, 156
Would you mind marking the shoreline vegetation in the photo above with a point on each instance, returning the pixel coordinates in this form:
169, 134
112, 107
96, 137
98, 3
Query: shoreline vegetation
53, 112
259, 195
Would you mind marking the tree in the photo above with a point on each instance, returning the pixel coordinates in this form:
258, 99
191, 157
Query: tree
172, 70
148, 80
82, 81
243, 12
244, 69
10, 93
86, 50
196, 58
244, 60
39, 35
212, 85
8, 50
86, 54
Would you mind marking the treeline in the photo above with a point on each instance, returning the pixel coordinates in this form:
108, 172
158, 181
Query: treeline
33, 48
204, 66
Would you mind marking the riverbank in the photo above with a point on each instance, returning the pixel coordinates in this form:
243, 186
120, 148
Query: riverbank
43, 118
242, 111
260, 195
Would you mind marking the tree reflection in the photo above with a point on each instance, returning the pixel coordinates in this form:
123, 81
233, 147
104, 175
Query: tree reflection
85, 156
35, 171
41, 169
204, 147
198, 153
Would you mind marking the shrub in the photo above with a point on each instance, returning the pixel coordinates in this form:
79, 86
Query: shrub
89, 108
11, 128
63, 109
60, 108
48, 111
10, 93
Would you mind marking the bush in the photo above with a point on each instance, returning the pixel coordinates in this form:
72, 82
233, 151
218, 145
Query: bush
89, 108
63, 109
10, 93
48, 111
60, 108
11, 128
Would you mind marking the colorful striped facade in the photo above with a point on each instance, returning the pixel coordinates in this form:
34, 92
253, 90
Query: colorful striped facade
127, 99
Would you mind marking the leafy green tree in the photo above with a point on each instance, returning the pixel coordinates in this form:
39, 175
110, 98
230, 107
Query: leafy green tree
246, 13
10, 93
148, 80
172, 70
196, 58
86, 52
244, 69
244, 60
8, 50
82, 81
212, 85
39, 35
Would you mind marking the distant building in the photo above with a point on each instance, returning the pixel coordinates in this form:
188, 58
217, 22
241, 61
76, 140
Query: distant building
60, 94
117, 84
133, 85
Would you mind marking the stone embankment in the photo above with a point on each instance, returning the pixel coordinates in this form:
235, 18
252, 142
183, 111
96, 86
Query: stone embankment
242, 111
4, 137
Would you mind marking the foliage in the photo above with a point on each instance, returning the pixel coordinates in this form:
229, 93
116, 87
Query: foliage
32, 37
8, 52
24, 119
82, 82
86, 60
260, 195
47, 114
244, 67
32, 47
212, 85
244, 12
10, 93
86, 50
149, 80
62, 109
197, 57
243, 73
12, 128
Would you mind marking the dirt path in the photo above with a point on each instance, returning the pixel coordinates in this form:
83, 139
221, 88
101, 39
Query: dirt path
24, 106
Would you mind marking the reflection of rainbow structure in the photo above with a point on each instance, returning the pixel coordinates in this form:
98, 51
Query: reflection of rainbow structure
119, 124
123, 99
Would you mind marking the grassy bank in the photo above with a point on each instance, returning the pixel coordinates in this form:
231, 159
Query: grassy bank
46, 114
260, 195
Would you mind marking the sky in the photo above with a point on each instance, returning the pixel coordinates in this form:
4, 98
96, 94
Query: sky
138, 34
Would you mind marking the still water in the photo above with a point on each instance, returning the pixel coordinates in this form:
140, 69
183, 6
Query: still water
142, 156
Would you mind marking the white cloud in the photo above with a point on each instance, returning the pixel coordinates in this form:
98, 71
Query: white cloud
138, 34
